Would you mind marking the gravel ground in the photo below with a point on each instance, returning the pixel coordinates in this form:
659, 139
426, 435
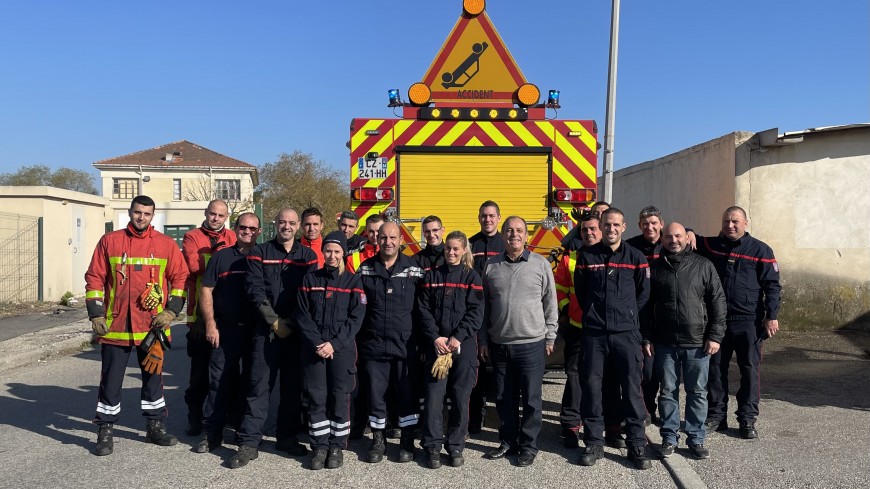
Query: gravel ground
814, 432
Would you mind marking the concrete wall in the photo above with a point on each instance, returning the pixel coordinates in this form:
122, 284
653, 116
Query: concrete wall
808, 200
73, 223
692, 186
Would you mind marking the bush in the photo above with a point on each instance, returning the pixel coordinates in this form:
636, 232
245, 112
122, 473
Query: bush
68, 299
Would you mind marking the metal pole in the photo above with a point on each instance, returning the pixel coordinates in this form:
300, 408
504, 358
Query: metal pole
611, 103
40, 260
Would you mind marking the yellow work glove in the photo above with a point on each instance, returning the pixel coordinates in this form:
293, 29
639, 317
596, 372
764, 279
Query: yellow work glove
98, 324
153, 361
151, 297
442, 365
282, 328
163, 319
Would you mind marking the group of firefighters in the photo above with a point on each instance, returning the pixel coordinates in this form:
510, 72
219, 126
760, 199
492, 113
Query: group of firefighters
636, 316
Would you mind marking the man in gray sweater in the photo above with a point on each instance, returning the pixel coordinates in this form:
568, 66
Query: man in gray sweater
519, 332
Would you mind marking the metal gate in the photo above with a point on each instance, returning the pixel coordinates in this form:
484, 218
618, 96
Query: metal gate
20, 258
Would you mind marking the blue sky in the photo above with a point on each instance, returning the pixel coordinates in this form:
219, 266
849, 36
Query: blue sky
83, 81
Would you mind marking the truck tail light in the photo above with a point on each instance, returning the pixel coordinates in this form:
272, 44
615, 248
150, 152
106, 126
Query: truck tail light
372, 194
575, 196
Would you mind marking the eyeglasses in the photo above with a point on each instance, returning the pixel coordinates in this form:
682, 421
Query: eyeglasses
248, 228
431, 231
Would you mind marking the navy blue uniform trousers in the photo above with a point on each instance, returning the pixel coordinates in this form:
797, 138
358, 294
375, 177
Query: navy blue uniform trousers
327, 386
229, 373
743, 339
269, 357
621, 353
115, 359
199, 352
457, 388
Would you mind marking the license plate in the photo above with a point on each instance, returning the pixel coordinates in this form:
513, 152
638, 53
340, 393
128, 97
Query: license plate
372, 168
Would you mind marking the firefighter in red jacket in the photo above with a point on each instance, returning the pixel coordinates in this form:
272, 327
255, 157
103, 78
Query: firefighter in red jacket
312, 232
197, 247
370, 249
134, 283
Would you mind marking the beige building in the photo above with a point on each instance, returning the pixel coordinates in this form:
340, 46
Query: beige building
806, 196
72, 223
181, 177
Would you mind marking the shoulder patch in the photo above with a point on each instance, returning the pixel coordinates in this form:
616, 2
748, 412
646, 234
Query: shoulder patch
362, 298
775, 267
647, 272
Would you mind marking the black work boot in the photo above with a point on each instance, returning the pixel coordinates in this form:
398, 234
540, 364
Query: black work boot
245, 454
590, 455
747, 430
208, 443
335, 458
105, 442
433, 458
378, 448
456, 458
614, 439
406, 446
720, 425
318, 459
638, 456
155, 432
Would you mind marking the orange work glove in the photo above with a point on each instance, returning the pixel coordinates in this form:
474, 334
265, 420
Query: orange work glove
153, 361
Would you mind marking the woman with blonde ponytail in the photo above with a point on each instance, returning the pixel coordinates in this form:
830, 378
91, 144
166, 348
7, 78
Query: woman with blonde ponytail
451, 311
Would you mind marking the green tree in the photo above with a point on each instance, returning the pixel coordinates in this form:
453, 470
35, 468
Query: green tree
39, 175
299, 181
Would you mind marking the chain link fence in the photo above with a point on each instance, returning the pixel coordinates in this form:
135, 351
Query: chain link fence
20, 258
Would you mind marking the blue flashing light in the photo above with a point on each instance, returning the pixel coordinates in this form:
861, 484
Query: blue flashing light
553, 98
395, 99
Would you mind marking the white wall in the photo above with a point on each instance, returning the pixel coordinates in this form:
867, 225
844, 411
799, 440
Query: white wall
810, 201
692, 186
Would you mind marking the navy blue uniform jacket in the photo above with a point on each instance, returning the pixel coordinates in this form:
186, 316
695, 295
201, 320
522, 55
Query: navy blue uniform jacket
225, 272
387, 330
274, 277
451, 303
749, 274
612, 287
331, 308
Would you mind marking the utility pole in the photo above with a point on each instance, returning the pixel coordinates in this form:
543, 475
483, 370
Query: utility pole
610, 114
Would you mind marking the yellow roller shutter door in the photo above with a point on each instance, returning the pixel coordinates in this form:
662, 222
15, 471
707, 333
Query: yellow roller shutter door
452, 186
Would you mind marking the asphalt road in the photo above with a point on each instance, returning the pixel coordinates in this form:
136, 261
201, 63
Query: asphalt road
11, 327
815, 432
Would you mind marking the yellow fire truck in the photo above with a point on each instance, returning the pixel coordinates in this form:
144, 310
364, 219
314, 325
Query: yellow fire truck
473, 130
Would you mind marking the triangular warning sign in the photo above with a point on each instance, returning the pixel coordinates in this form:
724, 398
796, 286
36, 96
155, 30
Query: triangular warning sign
474, 66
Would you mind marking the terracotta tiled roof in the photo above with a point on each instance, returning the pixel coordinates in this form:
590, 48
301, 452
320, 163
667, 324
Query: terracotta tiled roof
184, 154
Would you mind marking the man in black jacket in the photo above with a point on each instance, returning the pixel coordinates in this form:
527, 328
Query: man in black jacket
484, 245
611, 281
750, 280
649, 242
683, 324
386, 343
275, 271
432, 256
